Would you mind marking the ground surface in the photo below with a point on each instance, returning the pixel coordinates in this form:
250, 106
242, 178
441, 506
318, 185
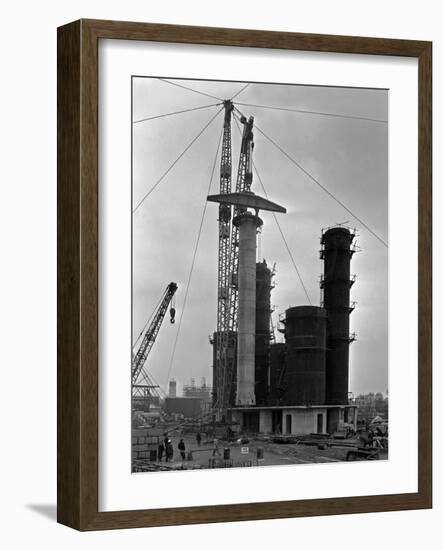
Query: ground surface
245, 454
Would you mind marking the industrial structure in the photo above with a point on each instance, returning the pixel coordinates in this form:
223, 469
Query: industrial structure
287, 381
201, 391
336, 252
262, 332
303, 383
296, 387
293, 387
186, 407
225, 337
194, 403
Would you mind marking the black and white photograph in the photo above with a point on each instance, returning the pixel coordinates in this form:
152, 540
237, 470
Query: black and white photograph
259, 274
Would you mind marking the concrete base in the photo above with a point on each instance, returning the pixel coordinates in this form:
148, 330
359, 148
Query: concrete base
295, 420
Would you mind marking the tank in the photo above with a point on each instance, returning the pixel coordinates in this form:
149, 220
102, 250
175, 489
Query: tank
336, 285
262, 332
304, 380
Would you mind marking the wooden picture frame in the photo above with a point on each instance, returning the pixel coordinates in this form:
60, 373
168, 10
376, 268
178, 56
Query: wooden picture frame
78, 274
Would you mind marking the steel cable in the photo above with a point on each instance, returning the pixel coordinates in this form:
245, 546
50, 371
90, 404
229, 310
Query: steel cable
279, 228
176, 113
190, 89
194, 256
312, 178
319, 113
176, 160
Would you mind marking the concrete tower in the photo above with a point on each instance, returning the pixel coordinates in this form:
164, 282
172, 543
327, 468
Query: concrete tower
247, 224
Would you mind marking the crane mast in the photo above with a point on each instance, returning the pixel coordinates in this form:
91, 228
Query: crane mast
228, 259
224, 234
224, 222
151, 333
244, 182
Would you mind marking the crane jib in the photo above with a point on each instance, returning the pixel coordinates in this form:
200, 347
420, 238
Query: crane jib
151, 333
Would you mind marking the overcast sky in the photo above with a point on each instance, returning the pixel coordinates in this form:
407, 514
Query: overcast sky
349, 157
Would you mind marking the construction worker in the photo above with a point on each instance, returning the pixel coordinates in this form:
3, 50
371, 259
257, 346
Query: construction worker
160, 450
216, 450
198, 437
169, 451
182, 448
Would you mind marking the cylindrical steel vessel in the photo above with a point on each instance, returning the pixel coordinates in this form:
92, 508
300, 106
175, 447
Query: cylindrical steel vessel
336, 283
305, 378
262, 332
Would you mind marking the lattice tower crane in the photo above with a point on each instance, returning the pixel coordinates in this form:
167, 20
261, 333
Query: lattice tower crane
138, 371
228, 258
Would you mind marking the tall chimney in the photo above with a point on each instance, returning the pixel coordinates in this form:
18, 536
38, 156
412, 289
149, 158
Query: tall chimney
336, 283
247, 224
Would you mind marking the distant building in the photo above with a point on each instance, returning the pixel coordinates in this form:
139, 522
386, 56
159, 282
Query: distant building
189, 407
203, 392
172, 388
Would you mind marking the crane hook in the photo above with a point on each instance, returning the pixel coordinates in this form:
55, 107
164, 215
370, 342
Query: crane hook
172, 314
